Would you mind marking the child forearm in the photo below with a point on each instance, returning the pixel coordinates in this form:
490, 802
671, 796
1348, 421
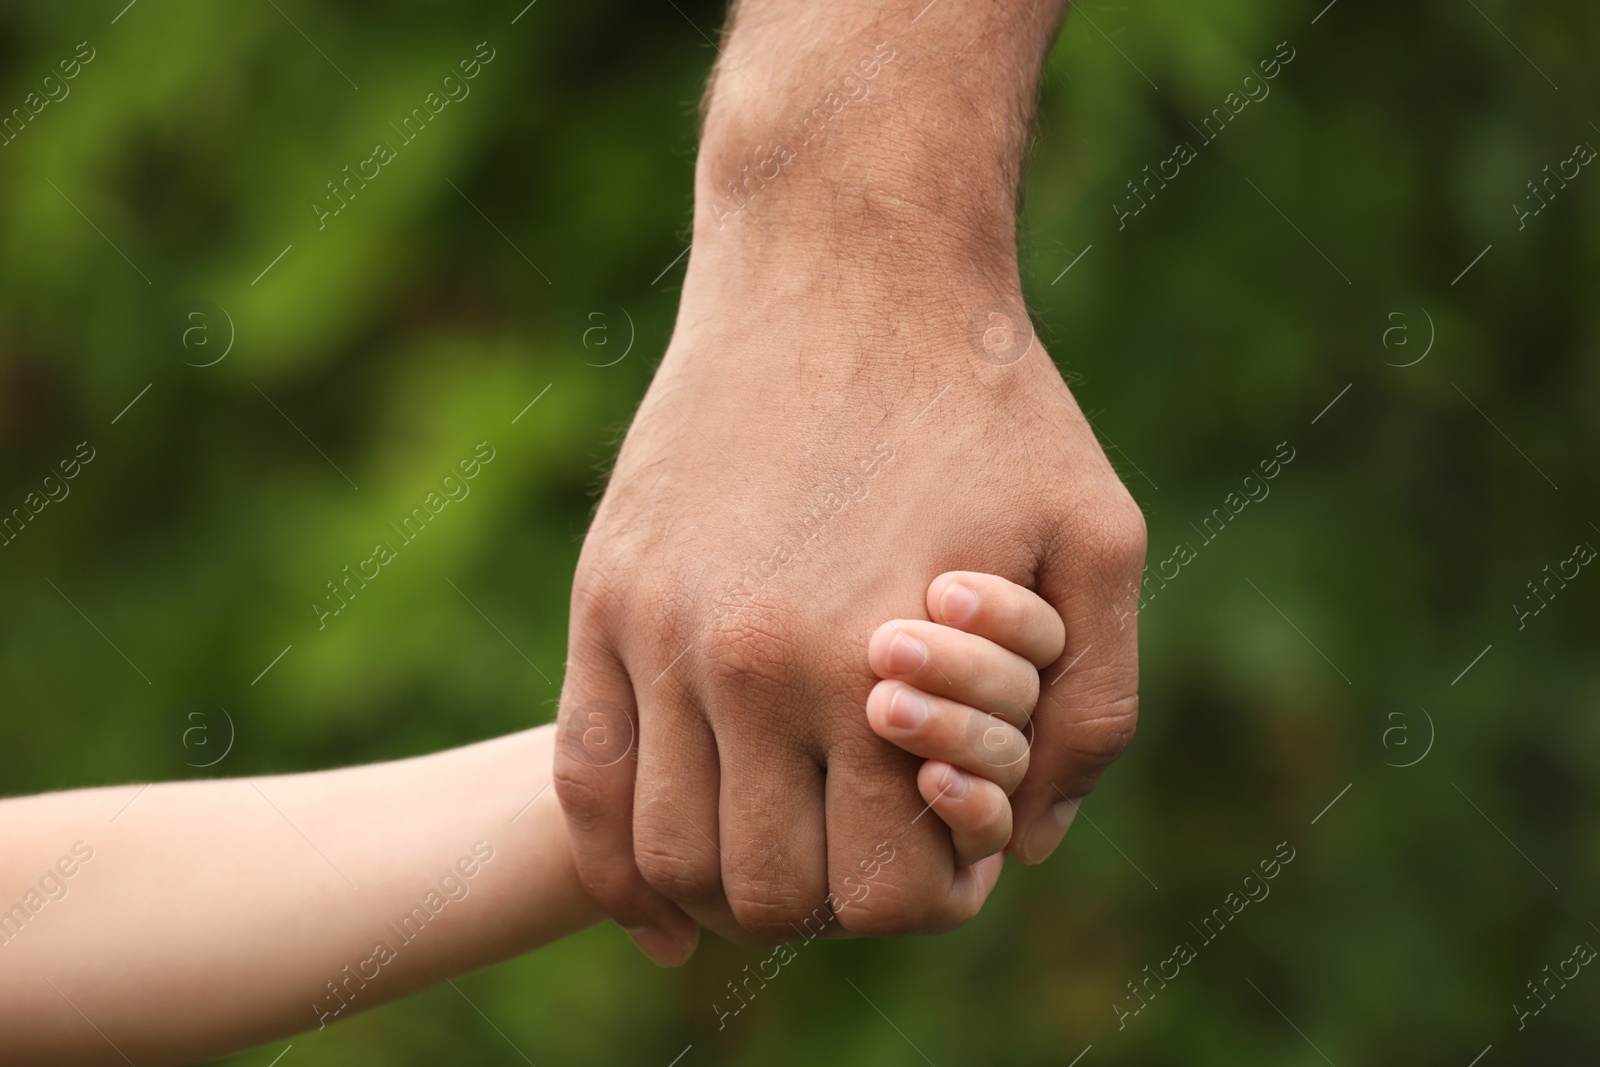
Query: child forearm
196, 918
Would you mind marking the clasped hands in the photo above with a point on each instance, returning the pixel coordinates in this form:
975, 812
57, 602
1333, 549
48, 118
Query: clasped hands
754, 632
853, 405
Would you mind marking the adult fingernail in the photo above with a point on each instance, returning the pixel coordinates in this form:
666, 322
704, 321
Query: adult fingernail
906, 654
1047, 831
908, 709
958, 604
662, 948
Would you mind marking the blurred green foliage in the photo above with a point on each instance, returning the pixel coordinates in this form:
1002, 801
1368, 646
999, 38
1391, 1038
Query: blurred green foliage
1200, 334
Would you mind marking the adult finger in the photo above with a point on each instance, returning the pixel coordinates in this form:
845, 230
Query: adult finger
675, 819
1007, 614
594, 779
1089, 698
773, 842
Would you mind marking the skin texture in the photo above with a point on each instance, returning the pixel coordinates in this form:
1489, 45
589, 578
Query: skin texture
852, 402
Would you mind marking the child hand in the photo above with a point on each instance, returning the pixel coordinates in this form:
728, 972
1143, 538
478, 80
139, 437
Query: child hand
960, 690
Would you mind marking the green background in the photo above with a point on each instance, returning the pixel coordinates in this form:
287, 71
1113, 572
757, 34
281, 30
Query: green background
1199, 336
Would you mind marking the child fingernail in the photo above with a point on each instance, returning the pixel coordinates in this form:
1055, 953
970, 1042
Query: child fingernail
906, 654
955, 784
908, 709
958, 604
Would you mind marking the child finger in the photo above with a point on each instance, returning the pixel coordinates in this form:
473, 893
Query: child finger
1007, 614
976, 811
936, 728
961, 666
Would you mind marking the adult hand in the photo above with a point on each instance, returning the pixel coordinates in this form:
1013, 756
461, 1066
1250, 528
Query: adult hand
852, 403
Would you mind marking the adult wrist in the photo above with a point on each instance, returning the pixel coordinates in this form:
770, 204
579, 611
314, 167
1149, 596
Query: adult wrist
866, 197
838, 123
869, 249
869, 145
866, 222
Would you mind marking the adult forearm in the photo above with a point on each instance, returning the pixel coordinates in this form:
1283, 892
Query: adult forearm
887, 137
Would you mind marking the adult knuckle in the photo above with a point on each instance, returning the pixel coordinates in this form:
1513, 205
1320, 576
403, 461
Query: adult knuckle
579, 788
1123, 534
598, 595
911, 898
1101, 737
892, 911
774, 911
598, 733
674, 872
